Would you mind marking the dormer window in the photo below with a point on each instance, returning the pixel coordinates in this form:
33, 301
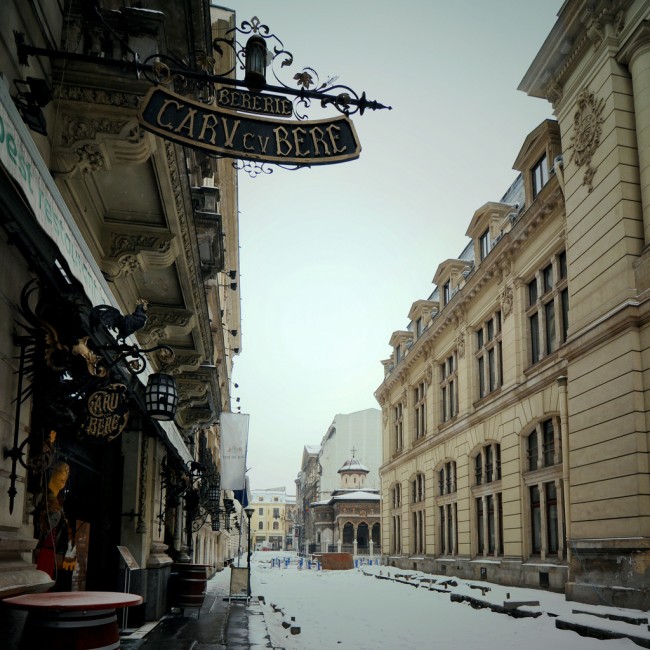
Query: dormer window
484, 244
540, 175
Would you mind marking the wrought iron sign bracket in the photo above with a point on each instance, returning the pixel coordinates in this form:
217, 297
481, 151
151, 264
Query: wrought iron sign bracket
161, 73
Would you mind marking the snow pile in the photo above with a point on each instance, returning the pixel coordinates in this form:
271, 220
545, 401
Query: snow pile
378, 607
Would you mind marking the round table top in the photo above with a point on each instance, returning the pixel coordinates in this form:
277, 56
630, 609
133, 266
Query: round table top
73, 600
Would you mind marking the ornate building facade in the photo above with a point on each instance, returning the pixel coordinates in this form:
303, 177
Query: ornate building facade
100, 217
515, 433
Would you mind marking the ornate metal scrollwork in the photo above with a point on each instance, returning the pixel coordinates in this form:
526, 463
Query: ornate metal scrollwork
307, 86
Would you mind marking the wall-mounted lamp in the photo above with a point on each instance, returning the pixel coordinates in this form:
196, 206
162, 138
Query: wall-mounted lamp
231, 285
232, 274
235, 350
161, 396
33, 94
255, 77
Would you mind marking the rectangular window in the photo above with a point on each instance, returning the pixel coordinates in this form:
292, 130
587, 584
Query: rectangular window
564, 301
446, 292
540, 175
443, 532
484, 243
534, 338
478, 469
420, 395
448, 394
549, 326
418, 327
479, 524
551, 517
490, 363
261, 512
491, 524
398, 430
548, 314
532, 293
548, 443
532, 451
547, 278
276, 513
535, 519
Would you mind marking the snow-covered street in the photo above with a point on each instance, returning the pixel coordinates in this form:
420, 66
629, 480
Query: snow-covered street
356, 609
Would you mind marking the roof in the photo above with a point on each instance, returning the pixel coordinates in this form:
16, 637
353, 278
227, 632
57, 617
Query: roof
359, 495
353, 465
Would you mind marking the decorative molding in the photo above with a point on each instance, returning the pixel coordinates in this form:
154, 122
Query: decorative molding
587, 128
506, 299
97, 96
77, 128
460, 343
90, 158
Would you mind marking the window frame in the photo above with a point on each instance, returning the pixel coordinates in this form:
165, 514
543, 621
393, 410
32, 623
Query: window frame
547, 310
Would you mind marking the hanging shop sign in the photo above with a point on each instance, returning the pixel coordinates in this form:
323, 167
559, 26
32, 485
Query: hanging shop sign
235, 135
251, 102
108, 413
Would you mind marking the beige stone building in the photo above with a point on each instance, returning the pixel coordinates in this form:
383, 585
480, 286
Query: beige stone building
515, 410
96, 216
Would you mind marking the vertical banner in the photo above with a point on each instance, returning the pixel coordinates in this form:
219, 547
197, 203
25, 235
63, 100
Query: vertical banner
234, 442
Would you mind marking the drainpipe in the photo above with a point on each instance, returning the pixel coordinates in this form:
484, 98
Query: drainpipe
564, 424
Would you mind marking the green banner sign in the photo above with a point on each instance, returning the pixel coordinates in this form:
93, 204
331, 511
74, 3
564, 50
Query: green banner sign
248, 137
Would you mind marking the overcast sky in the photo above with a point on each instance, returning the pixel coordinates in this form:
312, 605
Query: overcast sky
333, 257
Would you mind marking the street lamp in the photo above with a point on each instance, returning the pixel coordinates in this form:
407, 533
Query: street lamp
249, 514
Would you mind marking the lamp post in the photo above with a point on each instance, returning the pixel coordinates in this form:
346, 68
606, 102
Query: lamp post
249, 514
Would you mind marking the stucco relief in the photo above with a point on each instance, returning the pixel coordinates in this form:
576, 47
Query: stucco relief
506, 299
587, 130
460, 343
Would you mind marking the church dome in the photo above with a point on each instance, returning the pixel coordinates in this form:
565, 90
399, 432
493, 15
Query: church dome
353, 465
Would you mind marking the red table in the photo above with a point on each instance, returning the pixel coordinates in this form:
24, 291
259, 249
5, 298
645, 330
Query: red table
72, 620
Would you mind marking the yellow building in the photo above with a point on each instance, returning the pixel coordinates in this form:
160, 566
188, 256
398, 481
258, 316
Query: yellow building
515, 415
272, 520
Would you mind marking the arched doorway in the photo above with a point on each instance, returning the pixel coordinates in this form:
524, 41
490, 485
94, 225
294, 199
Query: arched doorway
363, 537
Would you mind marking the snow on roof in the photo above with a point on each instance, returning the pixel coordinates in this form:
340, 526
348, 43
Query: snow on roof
353, 465
359, 494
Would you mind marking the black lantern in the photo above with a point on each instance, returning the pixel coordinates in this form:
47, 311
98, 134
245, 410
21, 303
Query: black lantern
161, 396
255, 77
214, 491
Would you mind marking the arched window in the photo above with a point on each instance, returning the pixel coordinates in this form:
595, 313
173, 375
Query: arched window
542, 473
447, 509
396, 519
487, 538
417, 541
276, 525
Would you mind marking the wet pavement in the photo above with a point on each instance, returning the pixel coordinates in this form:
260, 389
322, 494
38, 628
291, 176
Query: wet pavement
219, 623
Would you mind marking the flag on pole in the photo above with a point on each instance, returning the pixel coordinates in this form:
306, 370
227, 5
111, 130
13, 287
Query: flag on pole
234, 443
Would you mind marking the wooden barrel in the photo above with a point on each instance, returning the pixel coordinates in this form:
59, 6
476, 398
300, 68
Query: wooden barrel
71, 630
189, 584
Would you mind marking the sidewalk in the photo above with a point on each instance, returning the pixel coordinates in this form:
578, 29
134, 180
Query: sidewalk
219, 624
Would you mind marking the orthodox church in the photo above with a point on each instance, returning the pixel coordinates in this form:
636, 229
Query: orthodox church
349, 520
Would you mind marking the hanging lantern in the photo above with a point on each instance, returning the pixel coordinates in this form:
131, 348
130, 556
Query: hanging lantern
216, 522
255, 77
161, 396
214, 492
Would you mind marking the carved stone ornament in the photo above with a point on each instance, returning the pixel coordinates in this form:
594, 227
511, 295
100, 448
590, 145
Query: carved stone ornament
428, 374
90, 158
506, 301
587, 128
460, 343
